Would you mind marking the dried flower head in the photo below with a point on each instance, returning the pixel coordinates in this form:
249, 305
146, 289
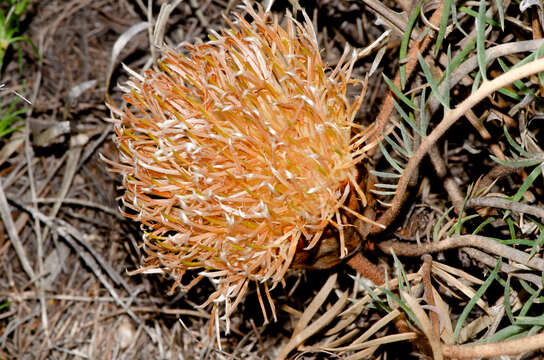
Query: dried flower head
238, 153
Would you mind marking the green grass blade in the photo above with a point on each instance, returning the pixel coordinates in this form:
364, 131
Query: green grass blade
382, 193
474, 14
527, 183
477, 81
448, 77
480, 39
405, 42
372, 294
399, 93
389, 159
432, 83
481, 291
423, 122
507, 305
385, 174
398, 149
403, 306
438, 224
500, 10
462, 211
513, 143
517, 163
539, 240
443, 25
407, 118
484, 223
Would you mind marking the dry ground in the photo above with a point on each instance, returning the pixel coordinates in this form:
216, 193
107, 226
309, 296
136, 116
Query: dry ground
74, 299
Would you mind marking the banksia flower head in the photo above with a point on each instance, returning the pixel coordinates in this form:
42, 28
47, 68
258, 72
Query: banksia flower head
238, 153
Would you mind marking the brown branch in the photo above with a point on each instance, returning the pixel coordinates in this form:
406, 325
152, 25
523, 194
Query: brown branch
486, 89
512, 347
475, 241
501, 203
491, 261
490, 54
387, 107
363, 266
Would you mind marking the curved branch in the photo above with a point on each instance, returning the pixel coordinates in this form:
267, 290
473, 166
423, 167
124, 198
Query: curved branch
512, 347
486, 89
501, 203
490, 54
475, 241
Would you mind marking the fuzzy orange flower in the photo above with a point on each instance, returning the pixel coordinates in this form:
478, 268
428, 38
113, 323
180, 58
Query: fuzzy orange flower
238, 152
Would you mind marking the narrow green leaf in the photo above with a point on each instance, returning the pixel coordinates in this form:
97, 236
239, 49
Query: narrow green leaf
390, 301
501, 13
517, 163
481, 291
507, 305
462, 211
505, 334
423, 122
431, 81
513, 143
443, 25
401, 112
382, 193
438, 224
484, 223
386, 186
403, 305
10, 130
389, 159
405, 42
529, 303
477, 81
406, 117
530, 320
474, 14
462, 55
398, 149
385, 174
518, 83
512, 230
372, 294
511, 94
448, 78
527, 183
516, 242
401, 274
456, 22
480, 39
4, 305
539, 240
529, 290
407, 138
539, 53
459, 225
399, 93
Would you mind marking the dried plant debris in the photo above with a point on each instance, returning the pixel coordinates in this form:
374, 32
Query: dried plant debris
452, 241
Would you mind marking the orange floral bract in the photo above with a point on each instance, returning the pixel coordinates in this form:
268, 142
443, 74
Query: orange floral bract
237, 153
